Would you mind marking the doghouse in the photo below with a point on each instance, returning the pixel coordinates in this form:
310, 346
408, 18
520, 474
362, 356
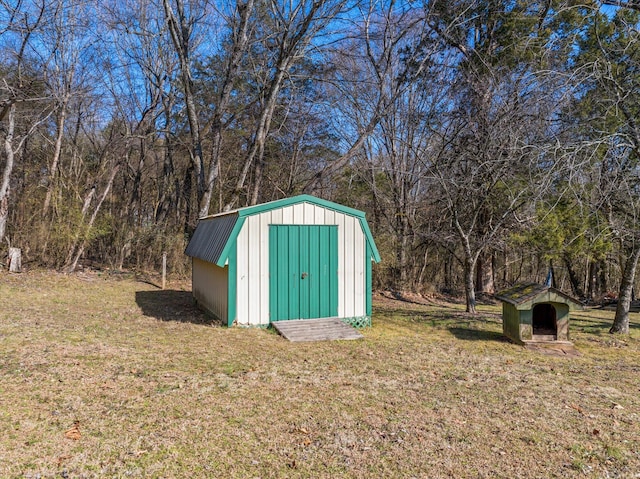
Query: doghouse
296, 258
534, 312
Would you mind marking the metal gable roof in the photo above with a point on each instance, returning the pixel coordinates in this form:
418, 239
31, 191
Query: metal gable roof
215, 234
211, 236
272, 205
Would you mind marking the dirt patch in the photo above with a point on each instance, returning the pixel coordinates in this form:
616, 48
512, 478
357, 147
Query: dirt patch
554, 349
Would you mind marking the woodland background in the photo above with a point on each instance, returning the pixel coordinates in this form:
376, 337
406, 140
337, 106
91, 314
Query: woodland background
488, 141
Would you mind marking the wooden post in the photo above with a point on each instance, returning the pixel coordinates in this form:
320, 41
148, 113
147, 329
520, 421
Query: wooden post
15, 260
164, 269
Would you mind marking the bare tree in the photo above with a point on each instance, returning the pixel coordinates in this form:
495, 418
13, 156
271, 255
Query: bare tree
491, 164
66, 34
392, 48
23, 101
182, 19
84, 232
292, 28
630, 4
608, 103
239, 26
141, 87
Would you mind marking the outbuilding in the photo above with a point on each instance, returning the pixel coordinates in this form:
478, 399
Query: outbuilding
295, 258
533, 312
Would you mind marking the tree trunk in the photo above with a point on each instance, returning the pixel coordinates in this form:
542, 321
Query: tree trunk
169, 186
189, 223
165, 196
603, 283
4, 213
594, 286
552, 271
484, 274
73, 263
8, 169
135, 203
57, 149
597, 280
621, 320
469, 289
448, 272
180, 31
573, 278
470, 261
402, 245
76, 238
15, 260
425, 262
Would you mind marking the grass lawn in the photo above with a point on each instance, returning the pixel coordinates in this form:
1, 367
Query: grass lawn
114, 378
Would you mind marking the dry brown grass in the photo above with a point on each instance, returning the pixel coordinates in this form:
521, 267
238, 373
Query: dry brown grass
106, 378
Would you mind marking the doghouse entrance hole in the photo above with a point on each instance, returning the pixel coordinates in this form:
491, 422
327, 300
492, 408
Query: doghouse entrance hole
544, 320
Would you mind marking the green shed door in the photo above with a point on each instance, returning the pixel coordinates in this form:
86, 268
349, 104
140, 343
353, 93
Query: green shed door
303, 271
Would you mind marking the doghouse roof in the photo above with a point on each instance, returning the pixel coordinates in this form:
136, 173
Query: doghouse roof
215, 234
525, 295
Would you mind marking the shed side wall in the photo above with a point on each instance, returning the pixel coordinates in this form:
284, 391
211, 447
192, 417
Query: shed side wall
511, 322
253, 268
210, 287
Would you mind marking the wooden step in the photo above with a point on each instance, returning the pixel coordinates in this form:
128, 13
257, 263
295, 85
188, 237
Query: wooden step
544, 337
323, 329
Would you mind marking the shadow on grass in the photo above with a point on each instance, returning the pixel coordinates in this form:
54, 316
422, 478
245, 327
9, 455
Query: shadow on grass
477, 334
597, 325
172, 305
437, 317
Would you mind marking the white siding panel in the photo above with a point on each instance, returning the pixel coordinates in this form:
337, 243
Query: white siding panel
263, 315
342, 279
330, 218
253, 269
287, 215
210, 287
358, 250
243, 275
349, 268
298, 214
309, 213
319, 216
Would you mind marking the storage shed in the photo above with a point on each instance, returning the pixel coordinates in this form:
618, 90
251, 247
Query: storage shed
535, 312
296, 258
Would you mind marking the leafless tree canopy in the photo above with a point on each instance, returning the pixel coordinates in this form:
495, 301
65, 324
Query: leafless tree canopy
489, 142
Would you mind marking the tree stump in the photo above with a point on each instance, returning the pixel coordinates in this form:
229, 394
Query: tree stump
14, 260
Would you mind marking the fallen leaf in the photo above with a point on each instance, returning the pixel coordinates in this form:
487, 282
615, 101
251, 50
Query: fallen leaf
577, 408
74, 432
